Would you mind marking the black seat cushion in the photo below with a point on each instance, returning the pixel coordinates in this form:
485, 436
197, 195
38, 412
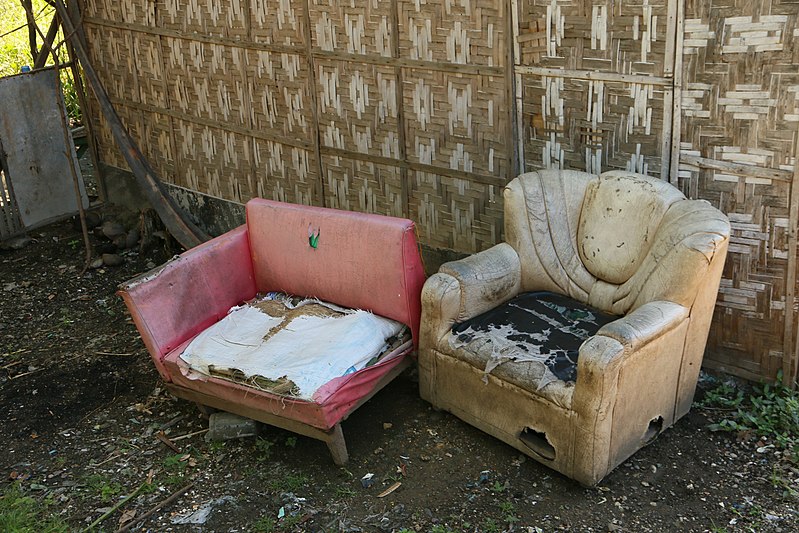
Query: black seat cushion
534, 327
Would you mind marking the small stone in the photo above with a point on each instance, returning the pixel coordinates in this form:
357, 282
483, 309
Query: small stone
97, 263
112, 260
112, 229
120, 241
387, 425
17, 243
150, 265
92, 219
132, 238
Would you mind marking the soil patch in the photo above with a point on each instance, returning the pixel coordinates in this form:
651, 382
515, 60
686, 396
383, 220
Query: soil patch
82, 408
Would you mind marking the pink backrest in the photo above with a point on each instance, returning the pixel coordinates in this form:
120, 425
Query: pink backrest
361, 261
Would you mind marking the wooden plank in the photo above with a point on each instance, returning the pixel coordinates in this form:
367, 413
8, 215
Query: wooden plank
250, 132
511, 30
594, 75
791, 338
317, 141
667, 136
401, 123
737, 168
441, 171
192, 36
676, 103
373, 59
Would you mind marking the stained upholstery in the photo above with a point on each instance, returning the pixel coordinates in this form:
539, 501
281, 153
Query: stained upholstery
627, 247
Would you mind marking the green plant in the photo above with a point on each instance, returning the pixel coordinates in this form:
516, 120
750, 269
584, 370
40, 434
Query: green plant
771, 412
725, 396
20, 513
103, 487
344, 492
441, 529
174, 462
498, 487
490, 526
508, 512
780, 481
264, 524
288, 483
263, 449
291, 442
216, 446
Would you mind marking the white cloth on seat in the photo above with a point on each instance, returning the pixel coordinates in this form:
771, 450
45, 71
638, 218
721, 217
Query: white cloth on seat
308, 350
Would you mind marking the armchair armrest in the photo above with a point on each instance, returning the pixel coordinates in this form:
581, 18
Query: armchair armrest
189, 293
645, 323
486, 279
602, 355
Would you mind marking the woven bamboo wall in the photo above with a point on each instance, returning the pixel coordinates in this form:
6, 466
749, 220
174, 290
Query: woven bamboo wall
740, 119
425, 109
595, 84
399, 107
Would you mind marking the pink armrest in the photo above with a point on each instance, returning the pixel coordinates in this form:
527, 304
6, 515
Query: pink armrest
173, 303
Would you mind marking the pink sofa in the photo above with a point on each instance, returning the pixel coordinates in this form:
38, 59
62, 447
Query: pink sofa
360, 261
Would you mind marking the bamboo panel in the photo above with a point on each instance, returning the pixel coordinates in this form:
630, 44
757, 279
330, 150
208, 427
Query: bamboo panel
455, 213
592, 125
106, 145
112, 52
627, 36
159, 143
208, 80
354, 28
454, 31
208, 17
358, 108
214, 161
284, 173
363, 186
151, 79
136, 11
106, 9
457, 121
277, 22
741, 123
279, 90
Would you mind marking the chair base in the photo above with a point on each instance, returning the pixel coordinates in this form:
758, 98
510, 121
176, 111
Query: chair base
559, 438
332, 436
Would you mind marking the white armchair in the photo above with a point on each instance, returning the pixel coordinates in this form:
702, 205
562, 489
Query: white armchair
580, 338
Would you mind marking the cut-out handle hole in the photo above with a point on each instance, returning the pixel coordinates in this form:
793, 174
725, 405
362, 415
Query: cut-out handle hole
654, 429
537, 441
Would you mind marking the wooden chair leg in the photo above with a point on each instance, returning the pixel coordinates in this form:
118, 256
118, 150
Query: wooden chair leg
205, 410
337, 445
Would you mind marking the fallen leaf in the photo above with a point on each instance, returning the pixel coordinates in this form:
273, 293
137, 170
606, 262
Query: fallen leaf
126, 517
389, 490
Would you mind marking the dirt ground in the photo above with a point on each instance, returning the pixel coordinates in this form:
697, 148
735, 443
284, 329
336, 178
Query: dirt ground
81, 405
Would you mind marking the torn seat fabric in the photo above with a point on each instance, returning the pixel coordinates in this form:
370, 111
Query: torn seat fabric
531, 340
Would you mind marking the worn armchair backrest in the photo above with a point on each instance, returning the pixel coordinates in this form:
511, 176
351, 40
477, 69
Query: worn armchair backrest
354, 260
614, 241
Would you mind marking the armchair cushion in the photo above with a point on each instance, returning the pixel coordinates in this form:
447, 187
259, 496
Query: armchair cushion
530, 341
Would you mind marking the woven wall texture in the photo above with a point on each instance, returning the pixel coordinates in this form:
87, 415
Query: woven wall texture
425, 109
